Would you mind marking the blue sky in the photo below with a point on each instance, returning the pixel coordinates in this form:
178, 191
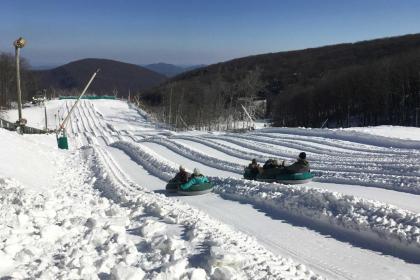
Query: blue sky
193, 32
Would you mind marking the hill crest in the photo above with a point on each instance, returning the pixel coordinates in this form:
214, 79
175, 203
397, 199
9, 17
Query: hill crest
115, 76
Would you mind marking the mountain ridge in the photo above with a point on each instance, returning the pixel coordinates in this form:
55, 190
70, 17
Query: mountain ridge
349, 83
114, 76
171, 70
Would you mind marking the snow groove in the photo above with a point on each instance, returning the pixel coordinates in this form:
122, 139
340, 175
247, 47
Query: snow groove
352, 136
196, 156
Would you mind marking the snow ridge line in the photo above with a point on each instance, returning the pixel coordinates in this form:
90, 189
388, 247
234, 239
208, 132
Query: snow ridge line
318, 166
351, 147
336, 175
223, 148
296, 146
352, 136
228, 248
272, 148
196, 156
103, 132
325, 152
366, 220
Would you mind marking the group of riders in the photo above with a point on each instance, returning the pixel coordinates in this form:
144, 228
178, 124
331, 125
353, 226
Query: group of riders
301, 165
187, 180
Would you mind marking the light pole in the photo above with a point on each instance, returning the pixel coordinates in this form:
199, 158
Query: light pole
19, 43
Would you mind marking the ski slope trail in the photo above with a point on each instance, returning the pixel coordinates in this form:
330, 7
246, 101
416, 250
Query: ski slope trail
323, 254
102, 123
400, 199
380, 172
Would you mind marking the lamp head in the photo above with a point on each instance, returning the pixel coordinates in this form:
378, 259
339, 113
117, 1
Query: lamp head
19, 43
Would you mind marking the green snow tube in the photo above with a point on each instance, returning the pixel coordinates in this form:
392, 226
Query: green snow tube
172, 186
88, 97
279, 175
295, 178
249, 175
197, 189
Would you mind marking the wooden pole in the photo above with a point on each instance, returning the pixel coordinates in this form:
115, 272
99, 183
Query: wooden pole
46, 120
18, 90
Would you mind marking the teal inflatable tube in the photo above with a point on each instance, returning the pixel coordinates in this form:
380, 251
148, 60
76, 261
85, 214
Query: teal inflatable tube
197, 189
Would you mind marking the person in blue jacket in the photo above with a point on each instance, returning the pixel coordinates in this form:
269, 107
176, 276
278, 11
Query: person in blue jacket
195, 179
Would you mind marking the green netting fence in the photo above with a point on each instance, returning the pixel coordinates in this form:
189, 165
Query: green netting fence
89, 97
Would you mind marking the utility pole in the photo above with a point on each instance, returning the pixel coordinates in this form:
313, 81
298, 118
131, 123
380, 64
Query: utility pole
170, 107
45, 110
19, 43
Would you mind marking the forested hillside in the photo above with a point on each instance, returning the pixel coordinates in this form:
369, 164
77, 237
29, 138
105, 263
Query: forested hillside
115, 77
365, 83
8, 80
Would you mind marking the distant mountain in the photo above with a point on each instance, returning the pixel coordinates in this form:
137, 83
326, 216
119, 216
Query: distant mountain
114, 75
170, 70
43, 67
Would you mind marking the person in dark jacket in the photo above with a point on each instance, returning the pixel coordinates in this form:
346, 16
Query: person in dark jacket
271, 163
301, 165
182, 175
195, 179
254, 168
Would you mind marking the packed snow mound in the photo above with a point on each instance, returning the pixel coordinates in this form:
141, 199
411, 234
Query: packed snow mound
349, 135
35, 114
392, 131
33, 159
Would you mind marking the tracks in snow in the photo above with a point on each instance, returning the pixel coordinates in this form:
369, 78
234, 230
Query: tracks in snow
106, 131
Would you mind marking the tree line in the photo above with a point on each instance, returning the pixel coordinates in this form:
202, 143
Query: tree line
213, 106
386, 91
8, 80
366, 83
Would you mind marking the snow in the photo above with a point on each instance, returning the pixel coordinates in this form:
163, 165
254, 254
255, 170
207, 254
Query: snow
400, 132
36, 170
359, 217
99, 210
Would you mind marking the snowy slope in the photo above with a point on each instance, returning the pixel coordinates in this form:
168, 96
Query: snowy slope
400, 132
359, 220
83, 218
358, 147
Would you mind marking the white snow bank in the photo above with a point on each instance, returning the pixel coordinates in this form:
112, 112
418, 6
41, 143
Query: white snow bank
348, 135
392, 131
196, 156
68, 232
366, 219
33, 160
35, 115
